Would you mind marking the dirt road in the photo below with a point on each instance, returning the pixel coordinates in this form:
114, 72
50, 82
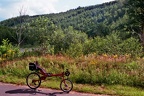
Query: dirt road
15, 90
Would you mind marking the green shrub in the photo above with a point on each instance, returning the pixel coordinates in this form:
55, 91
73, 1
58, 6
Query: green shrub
8, 51
131, 46
113, 44
75, 50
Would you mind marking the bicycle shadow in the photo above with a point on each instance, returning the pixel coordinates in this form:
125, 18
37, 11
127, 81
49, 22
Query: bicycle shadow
32, 92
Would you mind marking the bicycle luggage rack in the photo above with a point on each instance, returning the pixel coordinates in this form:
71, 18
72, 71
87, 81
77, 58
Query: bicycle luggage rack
32, 66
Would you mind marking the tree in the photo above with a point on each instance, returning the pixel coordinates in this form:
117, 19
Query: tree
5, 32
20, 28
56, 40
136, 16
67, 40
41, 29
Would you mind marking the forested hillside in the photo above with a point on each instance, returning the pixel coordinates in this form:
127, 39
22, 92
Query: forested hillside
103, 28
97, 20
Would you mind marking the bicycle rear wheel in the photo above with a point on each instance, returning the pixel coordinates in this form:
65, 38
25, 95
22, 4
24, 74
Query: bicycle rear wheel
33, 80
66, 85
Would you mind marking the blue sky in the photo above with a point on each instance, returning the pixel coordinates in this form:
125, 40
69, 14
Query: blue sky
11, 8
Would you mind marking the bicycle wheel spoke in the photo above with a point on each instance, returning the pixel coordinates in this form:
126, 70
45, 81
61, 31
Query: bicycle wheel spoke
33, 80
66, 85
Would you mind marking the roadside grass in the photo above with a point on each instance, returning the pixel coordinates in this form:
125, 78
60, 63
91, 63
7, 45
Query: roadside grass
116, 90
90, 74
127, 90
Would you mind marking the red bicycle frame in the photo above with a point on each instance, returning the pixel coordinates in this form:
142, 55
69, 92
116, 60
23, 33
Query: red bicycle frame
45, 74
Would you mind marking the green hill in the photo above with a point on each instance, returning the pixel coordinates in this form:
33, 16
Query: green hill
96, 20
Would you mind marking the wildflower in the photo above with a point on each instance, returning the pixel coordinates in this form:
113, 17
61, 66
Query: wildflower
95, 53
105, 55
13, 52
93, 62
10, 51
138, 58
3, 59
115, 56
4, 55
127, 55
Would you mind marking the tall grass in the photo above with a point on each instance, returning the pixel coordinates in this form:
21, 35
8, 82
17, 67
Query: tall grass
90, 69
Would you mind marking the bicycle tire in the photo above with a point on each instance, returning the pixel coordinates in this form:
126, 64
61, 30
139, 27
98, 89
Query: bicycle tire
66, 85
30, 80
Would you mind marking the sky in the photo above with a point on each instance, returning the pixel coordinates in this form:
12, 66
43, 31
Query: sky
11, 8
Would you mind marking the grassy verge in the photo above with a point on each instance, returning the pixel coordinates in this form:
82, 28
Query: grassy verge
92, 74
117, 90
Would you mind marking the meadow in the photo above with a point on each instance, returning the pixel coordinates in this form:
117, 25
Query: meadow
103, 74
95, 72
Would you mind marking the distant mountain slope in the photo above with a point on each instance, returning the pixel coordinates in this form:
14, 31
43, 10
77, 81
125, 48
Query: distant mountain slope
94, 20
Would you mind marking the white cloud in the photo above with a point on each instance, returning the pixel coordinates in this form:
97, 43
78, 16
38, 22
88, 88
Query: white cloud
31, 7
40, 6
11, 8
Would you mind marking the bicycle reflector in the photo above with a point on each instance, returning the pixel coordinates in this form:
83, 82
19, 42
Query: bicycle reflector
32, 66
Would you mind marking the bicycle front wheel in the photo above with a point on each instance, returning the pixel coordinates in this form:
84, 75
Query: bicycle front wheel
33, 80
66, 85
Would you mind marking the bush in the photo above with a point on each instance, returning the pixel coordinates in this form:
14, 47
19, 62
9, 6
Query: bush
75, 50
8, 51
112, 44
131, 46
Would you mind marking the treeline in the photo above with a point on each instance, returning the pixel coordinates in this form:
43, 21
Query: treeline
74, 43
97, 20
95, 29
6, 32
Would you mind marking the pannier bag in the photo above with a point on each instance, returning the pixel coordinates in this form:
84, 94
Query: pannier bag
32, 66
